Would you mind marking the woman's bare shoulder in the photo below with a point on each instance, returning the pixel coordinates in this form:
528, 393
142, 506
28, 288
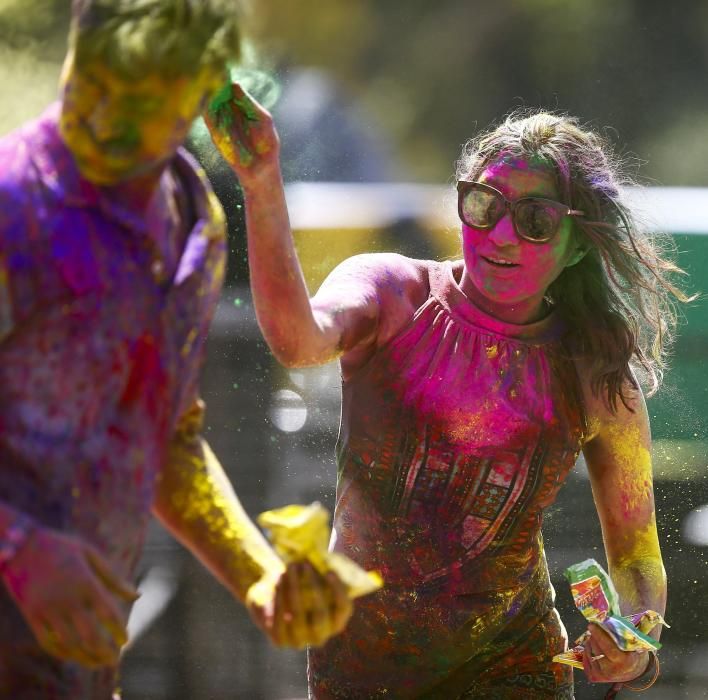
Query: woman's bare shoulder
384, 268
599, 412
400, 286
393, 278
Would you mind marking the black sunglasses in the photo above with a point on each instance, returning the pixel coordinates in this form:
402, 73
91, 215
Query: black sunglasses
535, 219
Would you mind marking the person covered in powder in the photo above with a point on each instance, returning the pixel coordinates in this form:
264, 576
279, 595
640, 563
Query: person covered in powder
112, 249
469, 390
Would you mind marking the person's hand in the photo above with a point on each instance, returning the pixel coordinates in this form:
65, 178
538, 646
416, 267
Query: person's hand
70, 598
299, 607
244, 133
605, 662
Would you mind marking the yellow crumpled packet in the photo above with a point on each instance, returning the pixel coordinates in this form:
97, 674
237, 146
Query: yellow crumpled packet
300, 533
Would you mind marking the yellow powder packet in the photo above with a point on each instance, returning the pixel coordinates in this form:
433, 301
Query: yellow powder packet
300, 533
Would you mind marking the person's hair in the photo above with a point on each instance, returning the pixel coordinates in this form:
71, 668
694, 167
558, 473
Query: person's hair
619, 301
170, 37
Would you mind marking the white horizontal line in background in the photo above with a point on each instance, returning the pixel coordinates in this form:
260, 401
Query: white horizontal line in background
322, 205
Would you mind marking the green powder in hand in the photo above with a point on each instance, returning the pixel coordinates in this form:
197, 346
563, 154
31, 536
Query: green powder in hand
220, 108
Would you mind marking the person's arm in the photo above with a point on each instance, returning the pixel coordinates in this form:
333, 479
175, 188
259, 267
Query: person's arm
298, 330
196, 502
66, 590
619, 463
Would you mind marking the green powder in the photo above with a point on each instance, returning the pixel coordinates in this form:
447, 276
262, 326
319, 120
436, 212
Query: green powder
220, 108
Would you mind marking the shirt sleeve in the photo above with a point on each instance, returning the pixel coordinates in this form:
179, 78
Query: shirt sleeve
190, 414
6, 315
10, 257
18, 217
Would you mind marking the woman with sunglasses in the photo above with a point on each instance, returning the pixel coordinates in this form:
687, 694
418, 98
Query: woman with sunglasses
469, 390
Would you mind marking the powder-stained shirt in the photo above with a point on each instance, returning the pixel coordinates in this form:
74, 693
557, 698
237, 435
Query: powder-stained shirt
102, 330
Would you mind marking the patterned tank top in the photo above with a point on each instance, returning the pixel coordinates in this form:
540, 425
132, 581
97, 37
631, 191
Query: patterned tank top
454, 437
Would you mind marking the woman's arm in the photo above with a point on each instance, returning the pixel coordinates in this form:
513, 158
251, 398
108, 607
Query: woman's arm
298, 331
619, 463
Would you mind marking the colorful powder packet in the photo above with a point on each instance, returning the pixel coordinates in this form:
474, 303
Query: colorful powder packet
596, 598
220, 109
301, 533
221, 114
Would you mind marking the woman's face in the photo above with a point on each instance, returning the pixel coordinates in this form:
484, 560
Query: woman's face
505, 275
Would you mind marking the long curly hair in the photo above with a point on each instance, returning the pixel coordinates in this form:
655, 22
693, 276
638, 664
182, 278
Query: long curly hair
620, 301
175, 37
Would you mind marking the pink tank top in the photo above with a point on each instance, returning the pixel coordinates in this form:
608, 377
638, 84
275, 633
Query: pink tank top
454, 437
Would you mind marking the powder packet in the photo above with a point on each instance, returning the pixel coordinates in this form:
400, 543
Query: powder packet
221, 113
596, 598
301, 533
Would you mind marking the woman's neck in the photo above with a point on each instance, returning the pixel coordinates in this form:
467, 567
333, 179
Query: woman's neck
519, 313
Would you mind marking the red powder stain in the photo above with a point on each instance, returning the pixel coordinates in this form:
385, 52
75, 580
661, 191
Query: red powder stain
147, 377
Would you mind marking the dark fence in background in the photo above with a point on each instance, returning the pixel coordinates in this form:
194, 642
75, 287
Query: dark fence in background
274, 431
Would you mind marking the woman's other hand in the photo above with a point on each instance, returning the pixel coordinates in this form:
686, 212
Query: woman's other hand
605, 662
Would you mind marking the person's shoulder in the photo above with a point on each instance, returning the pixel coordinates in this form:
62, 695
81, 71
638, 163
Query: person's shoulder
187, 165
23, 154
19, 147
15, 165
386, 269
599, 411
400, 285
392, 280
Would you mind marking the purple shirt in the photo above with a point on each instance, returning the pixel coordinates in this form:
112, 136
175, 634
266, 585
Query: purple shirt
101, 343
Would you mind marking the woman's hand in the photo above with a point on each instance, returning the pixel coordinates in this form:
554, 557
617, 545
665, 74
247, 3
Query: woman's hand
71, 599
299, 607
244, 133
604, 662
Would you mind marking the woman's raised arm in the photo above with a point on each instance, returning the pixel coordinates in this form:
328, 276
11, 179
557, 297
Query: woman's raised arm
298, 330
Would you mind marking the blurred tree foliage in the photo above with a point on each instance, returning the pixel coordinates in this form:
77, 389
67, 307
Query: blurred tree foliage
428, 75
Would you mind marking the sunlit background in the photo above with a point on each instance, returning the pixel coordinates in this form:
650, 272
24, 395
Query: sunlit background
373, 101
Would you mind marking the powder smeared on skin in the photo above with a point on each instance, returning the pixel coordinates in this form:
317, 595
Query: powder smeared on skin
194, 486
623, 482
642, 579
633, 460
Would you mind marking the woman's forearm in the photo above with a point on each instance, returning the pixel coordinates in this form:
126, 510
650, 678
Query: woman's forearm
641, 585
280, 294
